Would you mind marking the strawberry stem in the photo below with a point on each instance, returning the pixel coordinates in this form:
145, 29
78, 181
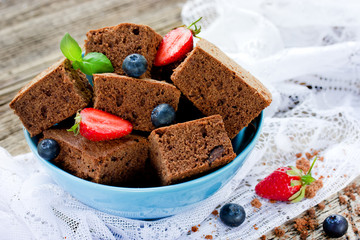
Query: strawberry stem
194, 23
76, 127
309, 172
196, 30
308, 179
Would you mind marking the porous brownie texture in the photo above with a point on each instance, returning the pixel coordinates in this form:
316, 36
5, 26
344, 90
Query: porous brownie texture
52, 96
185, 150
115, 162
133, 99
119, 41
217, 85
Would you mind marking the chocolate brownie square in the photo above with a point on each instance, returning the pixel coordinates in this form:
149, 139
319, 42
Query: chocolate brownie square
185, 150
52, 96
133, 99
119, 41
215, 84
115, 162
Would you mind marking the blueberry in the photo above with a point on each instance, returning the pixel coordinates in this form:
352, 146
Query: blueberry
335, 226
232, 214
163, 115
48, 149
134, 65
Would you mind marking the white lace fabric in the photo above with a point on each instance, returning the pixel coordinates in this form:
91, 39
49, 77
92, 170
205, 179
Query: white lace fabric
307, 53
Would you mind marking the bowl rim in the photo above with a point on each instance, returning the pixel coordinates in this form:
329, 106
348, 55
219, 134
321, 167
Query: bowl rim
160, 189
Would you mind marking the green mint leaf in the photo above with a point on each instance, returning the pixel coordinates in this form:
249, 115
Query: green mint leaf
76, 65
95, 62
70, 48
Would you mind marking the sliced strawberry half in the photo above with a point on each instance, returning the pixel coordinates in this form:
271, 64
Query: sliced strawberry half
97, 125
285, 184
176, 44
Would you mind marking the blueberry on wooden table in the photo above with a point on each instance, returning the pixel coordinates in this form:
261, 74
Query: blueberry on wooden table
135, 65
232, 214
335, 226
163, 115
48, 149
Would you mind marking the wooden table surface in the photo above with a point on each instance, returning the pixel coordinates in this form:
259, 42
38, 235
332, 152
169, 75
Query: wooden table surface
30, 33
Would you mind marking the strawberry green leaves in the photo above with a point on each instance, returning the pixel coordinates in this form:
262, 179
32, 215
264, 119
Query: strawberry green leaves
298, 196
306, 180
76, 127
90, 64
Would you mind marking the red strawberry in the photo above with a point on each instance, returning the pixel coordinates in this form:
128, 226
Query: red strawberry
97, 125
285, 184
176, 44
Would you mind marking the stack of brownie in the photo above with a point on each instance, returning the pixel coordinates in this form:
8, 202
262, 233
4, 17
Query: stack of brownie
214, 97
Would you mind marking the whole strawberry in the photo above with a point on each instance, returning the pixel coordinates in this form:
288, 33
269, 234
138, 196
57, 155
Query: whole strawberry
176, 44
285, 184
97, 125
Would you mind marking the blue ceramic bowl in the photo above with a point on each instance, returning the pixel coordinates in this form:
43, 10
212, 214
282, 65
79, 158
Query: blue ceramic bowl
154, 202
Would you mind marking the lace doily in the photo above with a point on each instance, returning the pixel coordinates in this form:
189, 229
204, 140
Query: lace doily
306, 52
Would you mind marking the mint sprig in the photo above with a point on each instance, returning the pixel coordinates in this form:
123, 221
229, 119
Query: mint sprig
95, 62
70, 48
90, 64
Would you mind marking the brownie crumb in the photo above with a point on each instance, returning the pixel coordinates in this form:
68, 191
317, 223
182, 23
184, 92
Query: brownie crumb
263, 237
301, 225
194, 228
311, 213
357, 210
352, 196
208, 237
308, 155
272, 201
312, 224
321, 206
255, 227
342, 200
304, 234
311, 190
298, 155
215, 212
355, 229
321, 159
303, 164
279, 232
306, 223
256, 203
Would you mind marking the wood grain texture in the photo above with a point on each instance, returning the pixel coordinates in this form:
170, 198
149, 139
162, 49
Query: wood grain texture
30, 33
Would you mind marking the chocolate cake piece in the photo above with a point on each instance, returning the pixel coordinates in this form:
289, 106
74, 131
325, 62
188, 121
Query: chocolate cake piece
119, 41
188, 149
215, 84
52, 96
115, 162
131, 98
